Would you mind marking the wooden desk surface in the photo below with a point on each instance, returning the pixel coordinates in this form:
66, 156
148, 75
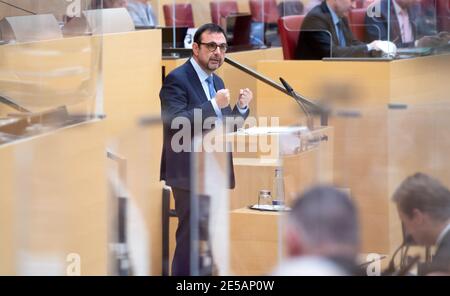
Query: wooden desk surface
354, 84
255, 241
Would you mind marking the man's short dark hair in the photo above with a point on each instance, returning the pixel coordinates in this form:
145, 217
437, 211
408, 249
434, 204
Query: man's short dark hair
326, 215
211, 28
424, 193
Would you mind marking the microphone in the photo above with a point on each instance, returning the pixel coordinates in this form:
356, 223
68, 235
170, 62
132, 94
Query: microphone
19, 8
406, 268
407, 241
290, 90
315, 107
362, 265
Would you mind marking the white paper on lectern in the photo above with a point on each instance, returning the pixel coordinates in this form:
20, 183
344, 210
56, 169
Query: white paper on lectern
290, 137
388, 48
262, 130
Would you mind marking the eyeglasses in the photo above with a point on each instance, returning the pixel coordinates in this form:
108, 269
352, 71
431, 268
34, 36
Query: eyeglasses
212, 46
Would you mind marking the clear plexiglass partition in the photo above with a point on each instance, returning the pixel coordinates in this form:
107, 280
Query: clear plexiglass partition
50, 69
406, 28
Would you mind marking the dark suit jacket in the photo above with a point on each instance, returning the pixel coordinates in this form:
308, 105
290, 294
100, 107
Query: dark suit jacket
318, 37
376, 27
180, 94
441, 259
440, 262
443, 252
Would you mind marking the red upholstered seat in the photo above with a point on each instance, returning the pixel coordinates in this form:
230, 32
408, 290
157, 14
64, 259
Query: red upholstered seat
183, 15
221, 9
265, 11
289, 28
356, 18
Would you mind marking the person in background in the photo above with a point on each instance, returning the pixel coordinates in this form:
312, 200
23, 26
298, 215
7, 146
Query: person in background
311, 4
426, 17
194, 88
142, 13
409, 24
423, 205
321, 235
325, 32
403, 31
115, 3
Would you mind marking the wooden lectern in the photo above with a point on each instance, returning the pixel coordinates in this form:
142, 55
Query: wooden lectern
305, 157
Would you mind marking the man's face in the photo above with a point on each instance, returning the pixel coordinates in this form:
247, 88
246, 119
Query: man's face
343, 7
207, 59
416, 226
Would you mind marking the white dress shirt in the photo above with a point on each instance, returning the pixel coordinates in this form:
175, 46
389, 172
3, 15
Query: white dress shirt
404, 23
202, 75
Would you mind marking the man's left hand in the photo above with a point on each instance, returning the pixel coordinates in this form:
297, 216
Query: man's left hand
245, 97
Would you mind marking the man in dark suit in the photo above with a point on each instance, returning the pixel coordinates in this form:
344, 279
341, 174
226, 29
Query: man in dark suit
423, 205
409, 24
403, 30
193, 93
325, 33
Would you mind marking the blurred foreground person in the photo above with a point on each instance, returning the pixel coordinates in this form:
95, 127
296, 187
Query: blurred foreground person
322, 236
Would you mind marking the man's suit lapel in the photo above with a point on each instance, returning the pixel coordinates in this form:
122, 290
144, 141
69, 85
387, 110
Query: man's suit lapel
395, 27
444, 247
347, 33
217, 84
412, 21
199, 89
196, 82
333, 32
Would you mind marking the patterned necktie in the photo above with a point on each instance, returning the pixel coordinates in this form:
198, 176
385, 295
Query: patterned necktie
212, 90
212, 93
341, 36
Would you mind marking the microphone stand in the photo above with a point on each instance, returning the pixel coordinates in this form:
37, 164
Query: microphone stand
391, 267
406, 267
311, 107
17, 7
407, 242
9, 102
305, 104
309, 118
